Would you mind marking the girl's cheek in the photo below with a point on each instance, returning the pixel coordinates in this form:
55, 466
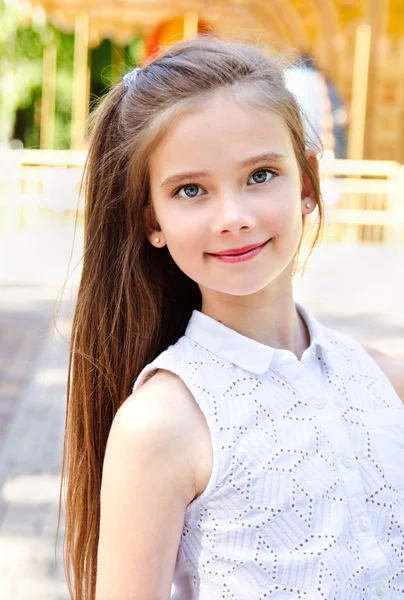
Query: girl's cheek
286, 205
185, 237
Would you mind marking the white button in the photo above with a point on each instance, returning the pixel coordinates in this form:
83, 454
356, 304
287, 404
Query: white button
381, 589
320, 403
347, 461
364, 524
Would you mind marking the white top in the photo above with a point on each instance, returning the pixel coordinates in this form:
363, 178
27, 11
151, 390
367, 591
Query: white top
306, 497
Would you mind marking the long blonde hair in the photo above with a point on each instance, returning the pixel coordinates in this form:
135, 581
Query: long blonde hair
133, 300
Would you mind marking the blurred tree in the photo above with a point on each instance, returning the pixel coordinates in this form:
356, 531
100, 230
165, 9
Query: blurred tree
64, 78
8, 24
20, 70
21, 58
103, 71
135, 51
29, 51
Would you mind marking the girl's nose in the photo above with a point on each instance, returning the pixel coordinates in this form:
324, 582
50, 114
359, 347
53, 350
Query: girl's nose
233, 214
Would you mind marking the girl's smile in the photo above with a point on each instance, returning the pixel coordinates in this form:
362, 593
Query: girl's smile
239, 254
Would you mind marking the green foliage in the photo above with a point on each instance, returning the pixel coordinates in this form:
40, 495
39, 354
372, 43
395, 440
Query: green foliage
8, 24
135, 51
8, 19
28, 83
64, 82
21, 62
101, 69
21, 53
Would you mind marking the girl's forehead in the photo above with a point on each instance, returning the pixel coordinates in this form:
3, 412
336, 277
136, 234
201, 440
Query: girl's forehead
220, 111
222, 128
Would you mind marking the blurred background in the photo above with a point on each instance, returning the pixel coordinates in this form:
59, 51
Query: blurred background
344, 61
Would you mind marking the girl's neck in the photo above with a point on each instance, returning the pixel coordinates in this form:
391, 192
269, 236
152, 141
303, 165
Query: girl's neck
276, 324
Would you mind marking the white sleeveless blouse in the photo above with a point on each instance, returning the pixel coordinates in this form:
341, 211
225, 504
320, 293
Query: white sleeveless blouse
306, 497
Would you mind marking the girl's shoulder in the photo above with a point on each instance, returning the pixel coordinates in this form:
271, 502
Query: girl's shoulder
164, 400
392, 366
164, 404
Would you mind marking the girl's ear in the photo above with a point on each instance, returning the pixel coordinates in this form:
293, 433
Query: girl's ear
308, 196
152, 228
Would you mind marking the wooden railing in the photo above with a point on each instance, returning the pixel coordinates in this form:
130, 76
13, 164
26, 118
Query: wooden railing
38, 186
364, 199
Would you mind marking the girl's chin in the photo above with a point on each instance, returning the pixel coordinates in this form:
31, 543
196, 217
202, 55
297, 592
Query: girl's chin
233, 290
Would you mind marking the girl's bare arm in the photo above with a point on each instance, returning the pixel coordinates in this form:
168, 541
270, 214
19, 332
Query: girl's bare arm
148, 481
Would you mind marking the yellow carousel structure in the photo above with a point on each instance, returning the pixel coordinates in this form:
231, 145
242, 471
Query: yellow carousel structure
359, 44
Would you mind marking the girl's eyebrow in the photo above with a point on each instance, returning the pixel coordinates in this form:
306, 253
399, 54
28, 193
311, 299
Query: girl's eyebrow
273, 157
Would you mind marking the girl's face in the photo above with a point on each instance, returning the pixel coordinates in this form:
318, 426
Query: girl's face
223, 177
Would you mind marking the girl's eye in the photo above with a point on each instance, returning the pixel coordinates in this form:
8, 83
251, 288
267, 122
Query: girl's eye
262, 176
190, 191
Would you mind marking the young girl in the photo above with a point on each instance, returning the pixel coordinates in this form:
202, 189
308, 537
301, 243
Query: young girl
220, 442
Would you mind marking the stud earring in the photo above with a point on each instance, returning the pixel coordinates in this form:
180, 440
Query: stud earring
307, 205
157, 240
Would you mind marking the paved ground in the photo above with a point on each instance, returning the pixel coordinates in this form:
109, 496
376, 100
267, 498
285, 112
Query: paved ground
358, 291
33, 404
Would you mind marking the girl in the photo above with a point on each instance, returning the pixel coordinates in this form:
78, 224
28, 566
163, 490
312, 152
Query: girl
220, 442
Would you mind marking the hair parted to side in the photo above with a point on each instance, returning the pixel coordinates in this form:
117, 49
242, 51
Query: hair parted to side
133, 301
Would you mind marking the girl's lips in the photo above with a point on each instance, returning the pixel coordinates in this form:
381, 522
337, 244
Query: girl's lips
240, 257
233, 251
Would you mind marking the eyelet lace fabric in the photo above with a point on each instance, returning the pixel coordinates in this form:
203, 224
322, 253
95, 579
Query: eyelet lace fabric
306, 497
